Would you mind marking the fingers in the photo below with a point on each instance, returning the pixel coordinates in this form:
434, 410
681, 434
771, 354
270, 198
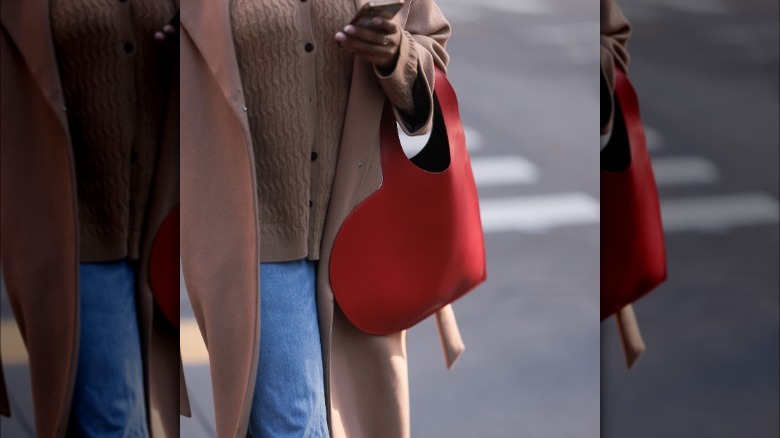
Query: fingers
370, 52
383, 25
364, 48
377, 31
376, 40
378, 24
367, 35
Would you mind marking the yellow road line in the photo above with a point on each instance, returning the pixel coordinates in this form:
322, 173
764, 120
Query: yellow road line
193, 350
13, 351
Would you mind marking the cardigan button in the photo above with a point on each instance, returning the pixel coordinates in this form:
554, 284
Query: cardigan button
129, 47
309, 47
313, 156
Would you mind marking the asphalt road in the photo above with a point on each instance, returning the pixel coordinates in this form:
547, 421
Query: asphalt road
707, 77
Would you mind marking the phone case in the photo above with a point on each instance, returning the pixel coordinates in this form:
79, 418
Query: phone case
371, 10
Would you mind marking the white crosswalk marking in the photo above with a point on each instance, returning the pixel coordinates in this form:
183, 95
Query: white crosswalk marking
713, 213
693, 6
684, 170
503, 170
533, 214
559, 35
653, 138
718, 213
540, 213
460, 10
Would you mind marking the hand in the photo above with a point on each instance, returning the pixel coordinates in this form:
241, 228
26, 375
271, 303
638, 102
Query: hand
376, 40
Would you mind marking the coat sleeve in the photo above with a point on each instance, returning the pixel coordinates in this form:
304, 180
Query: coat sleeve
410, 85
615, 33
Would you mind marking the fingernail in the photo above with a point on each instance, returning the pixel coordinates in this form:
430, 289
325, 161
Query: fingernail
350, 29
168, 28
159, 36
340, 37
376, 20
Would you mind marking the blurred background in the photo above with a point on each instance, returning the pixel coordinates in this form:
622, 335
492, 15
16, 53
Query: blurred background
706, 72
525, 74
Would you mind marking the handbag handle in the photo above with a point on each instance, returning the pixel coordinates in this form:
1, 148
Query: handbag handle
435, 158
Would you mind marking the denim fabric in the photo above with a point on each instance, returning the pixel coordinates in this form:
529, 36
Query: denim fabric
108, 398
289, 399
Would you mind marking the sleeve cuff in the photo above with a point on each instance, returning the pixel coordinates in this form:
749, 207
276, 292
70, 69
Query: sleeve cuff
398, 85
607, 86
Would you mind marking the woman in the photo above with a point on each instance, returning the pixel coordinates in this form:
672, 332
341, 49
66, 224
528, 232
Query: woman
280, 125
89, 170
615, 33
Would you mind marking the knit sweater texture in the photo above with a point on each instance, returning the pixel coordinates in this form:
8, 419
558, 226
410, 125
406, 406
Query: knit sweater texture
296, 82
111, 71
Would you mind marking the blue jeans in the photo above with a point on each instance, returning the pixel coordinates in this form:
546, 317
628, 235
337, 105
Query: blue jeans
108, 398
289, 398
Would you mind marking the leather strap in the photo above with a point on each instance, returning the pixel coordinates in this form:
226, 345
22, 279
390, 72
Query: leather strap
451, 341
630, 336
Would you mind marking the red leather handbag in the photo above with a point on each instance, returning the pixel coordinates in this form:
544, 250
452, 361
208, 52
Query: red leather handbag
164, 267
633, 258
416, 244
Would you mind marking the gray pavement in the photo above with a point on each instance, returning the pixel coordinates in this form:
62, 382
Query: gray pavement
707, 77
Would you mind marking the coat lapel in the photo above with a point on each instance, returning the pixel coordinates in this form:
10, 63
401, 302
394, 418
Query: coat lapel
36, 48
208, 24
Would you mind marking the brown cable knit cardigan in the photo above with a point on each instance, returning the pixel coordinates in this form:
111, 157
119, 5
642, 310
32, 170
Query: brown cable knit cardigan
115, 94
296, 112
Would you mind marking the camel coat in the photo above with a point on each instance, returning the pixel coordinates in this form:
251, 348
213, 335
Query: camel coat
366, 378
615, 33
39, 228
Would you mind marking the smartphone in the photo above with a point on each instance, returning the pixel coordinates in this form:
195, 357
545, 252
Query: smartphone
380, 8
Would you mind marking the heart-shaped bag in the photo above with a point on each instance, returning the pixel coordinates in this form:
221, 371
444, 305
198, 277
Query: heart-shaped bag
633, 258
164, 267
416, 244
